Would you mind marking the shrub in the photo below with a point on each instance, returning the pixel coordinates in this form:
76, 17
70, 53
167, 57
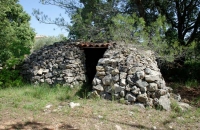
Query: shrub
39, 43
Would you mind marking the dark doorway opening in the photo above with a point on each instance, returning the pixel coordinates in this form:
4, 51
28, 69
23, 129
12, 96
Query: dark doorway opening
92, 56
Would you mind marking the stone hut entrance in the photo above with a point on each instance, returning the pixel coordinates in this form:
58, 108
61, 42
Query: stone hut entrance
114, 70
93, 52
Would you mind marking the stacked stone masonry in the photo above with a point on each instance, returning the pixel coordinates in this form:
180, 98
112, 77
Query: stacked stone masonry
124, 72
60, 63
131, 74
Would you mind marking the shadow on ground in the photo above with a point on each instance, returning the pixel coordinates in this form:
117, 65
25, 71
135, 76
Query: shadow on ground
36, 126
86, 88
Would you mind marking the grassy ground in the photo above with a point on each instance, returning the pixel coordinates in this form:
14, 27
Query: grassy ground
45, 108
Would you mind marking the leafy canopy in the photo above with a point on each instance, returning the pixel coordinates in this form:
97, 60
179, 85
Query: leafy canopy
16, 35
171, 24
16, 38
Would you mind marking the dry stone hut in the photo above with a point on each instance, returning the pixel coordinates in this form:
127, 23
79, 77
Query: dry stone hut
115, 70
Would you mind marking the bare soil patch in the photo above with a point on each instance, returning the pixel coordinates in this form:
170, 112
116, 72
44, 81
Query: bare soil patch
97, 115
35, 108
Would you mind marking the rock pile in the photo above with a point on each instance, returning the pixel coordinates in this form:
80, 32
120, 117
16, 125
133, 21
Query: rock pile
60, 63
131, 74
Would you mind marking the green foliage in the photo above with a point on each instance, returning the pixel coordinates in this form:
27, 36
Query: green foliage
133, 29
10, 78
175, 107
92, 21
84, 91
192, 83
35, 97
189, 72
168, 27
16, 37
128, 28
45, 41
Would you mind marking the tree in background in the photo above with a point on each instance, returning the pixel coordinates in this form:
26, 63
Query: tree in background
89, 19
183, 16
16, 37
45, 41
93, 19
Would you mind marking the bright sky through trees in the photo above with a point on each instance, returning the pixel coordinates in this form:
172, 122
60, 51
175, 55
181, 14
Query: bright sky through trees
51, 11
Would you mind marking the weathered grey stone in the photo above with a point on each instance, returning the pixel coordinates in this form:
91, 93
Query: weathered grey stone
37, 78
130, 80
176, 97
149, 102
123, 75
45, 71
69, 66
98, 81
141, 83
140, 74
69, 74
94, 94
42, 80
94, 82
81, 77
48, 75
122, 93
40, 71
161, 84
133, 70
116, 78
142, 98
115, 71
103, 61
152, 78
152, 87
143, 89
164, 102
154, 66
147, 71
69, 79
136, 90
123, 82
129, 61
98, 87
34, 72
107, 80
113, 61
128, 88
107, 96
108, 68
67, 71
55, 66
155, 72
130, 97
118, 88
62, 66
100, 69
49, 81
59, 79
109, 89
123, 68
184, 106
100, 73
161, 92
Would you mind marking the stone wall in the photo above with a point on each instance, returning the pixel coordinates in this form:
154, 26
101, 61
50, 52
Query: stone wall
60, 63
132, 75
124, 72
